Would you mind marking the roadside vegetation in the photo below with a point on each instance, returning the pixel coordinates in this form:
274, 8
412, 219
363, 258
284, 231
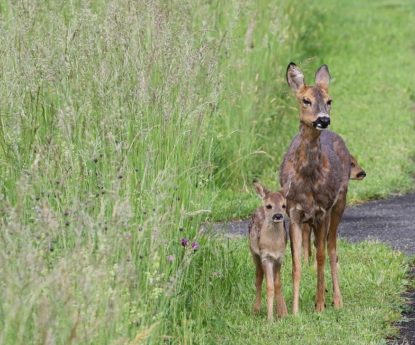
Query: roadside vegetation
125, 125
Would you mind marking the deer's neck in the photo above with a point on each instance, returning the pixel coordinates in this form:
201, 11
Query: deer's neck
308, 154
273, 234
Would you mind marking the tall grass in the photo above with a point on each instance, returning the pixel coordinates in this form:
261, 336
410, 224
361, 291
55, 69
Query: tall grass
119, 121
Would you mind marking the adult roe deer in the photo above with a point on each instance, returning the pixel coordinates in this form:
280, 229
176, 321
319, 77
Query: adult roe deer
267, 242
314, 177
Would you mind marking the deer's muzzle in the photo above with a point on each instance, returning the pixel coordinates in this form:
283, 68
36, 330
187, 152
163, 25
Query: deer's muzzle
322, 122
361, 175
278, 217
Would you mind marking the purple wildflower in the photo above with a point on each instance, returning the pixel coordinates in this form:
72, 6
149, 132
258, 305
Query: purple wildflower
195, 246
184, 242
170, 258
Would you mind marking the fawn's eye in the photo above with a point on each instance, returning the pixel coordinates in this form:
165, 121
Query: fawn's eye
306, 102
283, 206
353, 165
269, 206
329, 102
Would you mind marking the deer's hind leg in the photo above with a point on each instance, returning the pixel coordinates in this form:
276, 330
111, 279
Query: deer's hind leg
321, 237
306, 241
259, 276
335, 218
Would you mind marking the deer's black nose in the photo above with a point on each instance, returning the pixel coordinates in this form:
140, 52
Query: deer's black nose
322, 122
362, 174
325, 121
277, 216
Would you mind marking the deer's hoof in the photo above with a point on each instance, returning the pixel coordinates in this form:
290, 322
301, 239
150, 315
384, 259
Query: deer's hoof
256, 309
337, 303
281, 312
319, 307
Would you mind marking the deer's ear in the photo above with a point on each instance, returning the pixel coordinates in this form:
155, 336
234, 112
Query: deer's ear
295, 77
323, 76
260, 189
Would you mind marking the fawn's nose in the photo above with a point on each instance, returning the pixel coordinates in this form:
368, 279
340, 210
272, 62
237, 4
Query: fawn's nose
361, 175
277, 217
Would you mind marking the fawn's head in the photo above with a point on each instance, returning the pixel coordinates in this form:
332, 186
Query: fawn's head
356, 173
314, 101
273, 202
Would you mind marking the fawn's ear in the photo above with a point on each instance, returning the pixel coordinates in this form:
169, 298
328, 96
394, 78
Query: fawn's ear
323, 77
295, 77
260, 189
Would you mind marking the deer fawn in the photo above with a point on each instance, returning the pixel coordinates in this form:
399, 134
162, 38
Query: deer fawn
314, 177
267, 241
356, 173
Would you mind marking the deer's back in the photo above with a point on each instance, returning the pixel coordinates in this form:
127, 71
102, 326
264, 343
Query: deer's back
337, 144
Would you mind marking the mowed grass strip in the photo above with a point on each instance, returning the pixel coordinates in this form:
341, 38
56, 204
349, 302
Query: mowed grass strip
219, 307
373, 61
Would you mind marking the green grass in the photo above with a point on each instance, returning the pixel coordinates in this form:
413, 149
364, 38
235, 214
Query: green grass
220, 306
124, 125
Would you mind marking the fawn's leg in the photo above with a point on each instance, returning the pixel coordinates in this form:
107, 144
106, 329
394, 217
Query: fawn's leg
269, 276
306, 241
321, 236
336, 215
295, 240
279, 296
258, 282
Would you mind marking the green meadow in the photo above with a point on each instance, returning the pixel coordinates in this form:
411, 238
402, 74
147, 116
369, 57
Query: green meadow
124, 125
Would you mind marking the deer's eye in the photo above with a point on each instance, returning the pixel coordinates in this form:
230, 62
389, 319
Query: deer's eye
283, 206
329, 102
269, 206
306, 102
353, 165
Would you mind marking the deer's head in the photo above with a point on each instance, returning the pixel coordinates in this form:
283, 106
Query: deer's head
356, 173
273, 202
314, 101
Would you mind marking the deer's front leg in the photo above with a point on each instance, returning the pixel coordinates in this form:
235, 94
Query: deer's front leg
267, 266
279, 296
296, 241
259, 275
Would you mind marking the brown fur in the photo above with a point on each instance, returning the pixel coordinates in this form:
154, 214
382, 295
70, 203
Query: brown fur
314, 176
267, 242
356, 173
